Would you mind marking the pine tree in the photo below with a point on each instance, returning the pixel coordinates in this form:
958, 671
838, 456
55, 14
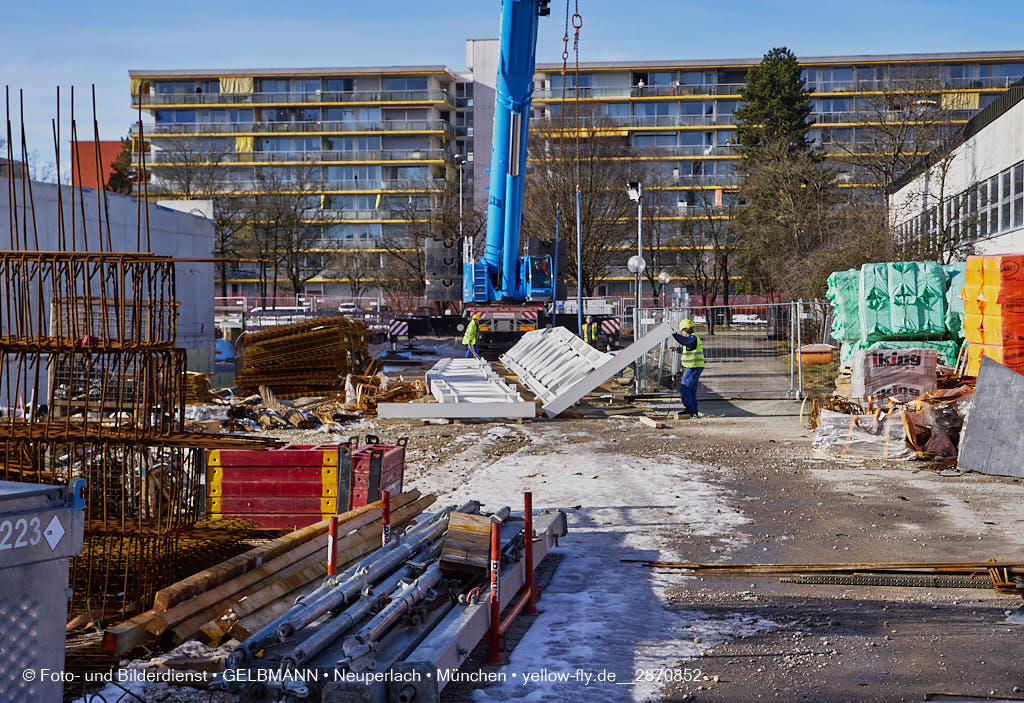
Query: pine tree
120, 180
776, 103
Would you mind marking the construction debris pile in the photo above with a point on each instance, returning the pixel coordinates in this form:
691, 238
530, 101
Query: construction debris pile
305, 359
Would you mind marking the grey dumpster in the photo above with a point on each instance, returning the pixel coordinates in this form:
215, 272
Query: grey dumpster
40, 530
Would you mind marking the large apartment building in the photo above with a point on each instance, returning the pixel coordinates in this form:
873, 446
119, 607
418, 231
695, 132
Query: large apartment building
373, 137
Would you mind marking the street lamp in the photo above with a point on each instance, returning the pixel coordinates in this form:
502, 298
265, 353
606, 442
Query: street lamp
467, 248
636, 264
664, 278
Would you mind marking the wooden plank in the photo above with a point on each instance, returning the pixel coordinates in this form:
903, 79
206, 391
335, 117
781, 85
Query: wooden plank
127, 635
651, 422
238, 565
467, 544
186, 618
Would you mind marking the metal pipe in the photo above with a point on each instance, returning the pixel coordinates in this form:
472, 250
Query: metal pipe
579, 265
403, 599
502, 514
360, 577
334, 628
332, 594
531, 608
494, 631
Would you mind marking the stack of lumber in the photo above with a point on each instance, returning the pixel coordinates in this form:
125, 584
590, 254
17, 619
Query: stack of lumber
197, 388
309, 358
239, 596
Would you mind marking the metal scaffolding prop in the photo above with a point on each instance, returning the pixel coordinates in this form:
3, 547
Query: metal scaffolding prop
463, 388
561, 368
92, 386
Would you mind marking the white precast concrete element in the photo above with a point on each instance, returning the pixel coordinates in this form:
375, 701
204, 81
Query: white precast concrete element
561, 368
463, 388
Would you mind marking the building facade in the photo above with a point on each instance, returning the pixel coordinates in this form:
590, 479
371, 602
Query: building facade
971, 193
372, 139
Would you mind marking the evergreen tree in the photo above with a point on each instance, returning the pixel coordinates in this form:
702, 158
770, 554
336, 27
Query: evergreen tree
776, 103
120, 180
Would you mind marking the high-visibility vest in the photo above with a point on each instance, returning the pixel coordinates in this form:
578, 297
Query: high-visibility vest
590, 332
471, 332
693, 358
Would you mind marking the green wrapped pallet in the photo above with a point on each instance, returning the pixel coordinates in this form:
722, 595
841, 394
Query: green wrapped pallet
902, 300
955, 278
844, 293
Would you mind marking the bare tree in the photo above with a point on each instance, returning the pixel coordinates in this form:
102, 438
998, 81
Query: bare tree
358, 268
187, 168
601, 172
284, 227
710, 241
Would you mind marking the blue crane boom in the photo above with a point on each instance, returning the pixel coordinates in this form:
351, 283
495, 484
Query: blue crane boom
502, 274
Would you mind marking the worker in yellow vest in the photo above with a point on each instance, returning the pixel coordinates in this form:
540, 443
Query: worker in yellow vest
590, 331
471, 336
691, 357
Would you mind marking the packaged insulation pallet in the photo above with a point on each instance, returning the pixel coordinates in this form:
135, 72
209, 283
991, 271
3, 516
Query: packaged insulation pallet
844, 294
901, 374
902, 300
955, 278
993, 299
947, 350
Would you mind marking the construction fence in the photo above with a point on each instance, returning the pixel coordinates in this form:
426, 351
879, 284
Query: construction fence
750, 350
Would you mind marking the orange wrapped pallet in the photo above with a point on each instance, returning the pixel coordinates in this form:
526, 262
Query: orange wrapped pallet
1011, 356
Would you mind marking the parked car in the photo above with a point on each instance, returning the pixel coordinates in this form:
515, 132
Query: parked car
349, 309
423, 311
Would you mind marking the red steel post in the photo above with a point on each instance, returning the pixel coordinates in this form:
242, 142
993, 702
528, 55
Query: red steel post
531, 607
386, 517
494, 634
332, 546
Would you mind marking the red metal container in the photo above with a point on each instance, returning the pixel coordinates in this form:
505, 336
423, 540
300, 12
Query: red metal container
297, 485
376, 467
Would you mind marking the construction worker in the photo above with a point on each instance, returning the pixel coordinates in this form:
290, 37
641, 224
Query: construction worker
590, 331
470, 337
691, 357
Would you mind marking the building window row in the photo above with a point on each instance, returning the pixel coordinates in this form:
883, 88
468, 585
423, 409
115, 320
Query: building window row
993, 206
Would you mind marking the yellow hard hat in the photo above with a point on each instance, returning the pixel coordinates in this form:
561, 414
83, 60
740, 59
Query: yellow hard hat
686, 324
476, 316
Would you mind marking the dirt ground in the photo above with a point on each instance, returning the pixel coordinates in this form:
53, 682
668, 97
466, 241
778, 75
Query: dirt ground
739, 484
814, 642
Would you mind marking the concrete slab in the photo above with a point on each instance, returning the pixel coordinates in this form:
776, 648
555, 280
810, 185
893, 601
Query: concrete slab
992, 440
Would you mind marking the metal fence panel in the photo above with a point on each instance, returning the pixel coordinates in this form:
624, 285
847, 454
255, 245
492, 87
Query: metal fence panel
749, 350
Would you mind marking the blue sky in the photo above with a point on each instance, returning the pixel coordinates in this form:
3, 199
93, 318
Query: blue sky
51, 42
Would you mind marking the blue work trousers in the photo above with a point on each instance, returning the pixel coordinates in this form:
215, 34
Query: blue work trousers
688, 389
470, 351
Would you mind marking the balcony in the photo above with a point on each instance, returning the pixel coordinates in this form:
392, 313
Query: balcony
697, 181
247, 157
317, 186
650, 91
319, 96
291, 127
872, 117
646, 121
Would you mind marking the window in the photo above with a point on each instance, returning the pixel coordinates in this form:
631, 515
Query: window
696, 78
586, 80
240, 115
647, 141
211, 115
616, 109
652, 109
353, 173
725, 137
274, 85
339, 85
418, 83
1018, 195
664, 78
695, 108
353, 143
987, 99
691, 138
830, 105
726, 107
